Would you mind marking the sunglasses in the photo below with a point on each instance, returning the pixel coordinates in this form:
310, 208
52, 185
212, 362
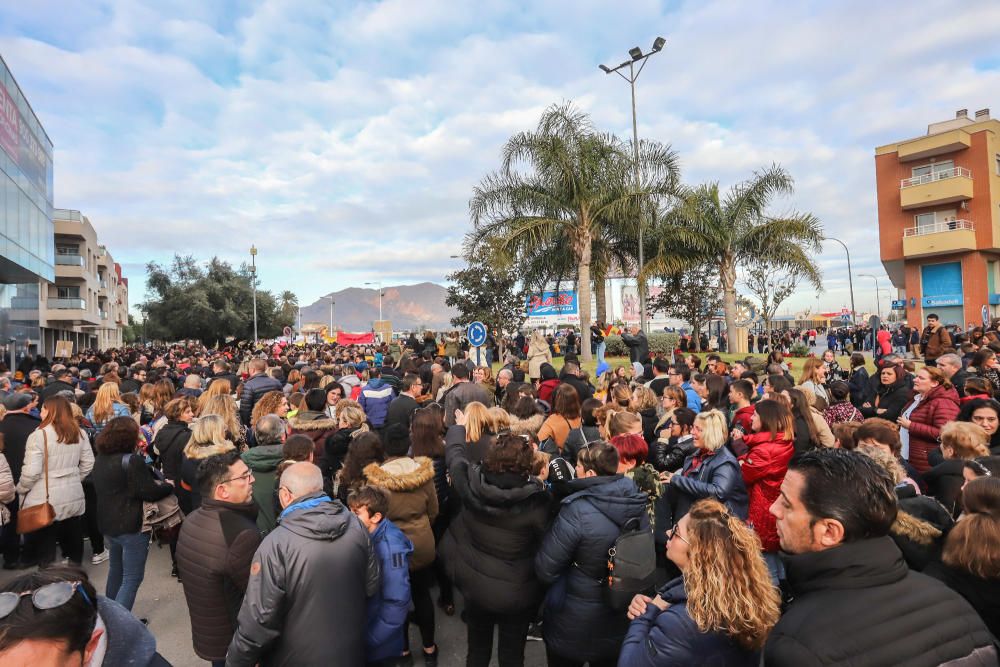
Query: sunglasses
48, 596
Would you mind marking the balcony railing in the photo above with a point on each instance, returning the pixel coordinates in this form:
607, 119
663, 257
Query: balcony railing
104, 314
954, 172
938, 227
69, 260
67, 304
24, 302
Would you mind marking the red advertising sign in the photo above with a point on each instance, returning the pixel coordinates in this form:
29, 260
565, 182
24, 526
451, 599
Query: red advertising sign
344, 338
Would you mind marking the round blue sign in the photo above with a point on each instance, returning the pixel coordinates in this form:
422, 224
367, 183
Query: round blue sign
476, 333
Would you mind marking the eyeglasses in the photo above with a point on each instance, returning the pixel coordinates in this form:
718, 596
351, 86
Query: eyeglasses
673, 532
248, 473
48, 596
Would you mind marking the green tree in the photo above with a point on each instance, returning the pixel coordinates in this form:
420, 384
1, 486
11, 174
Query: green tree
560, 188
769, 289
733, 231
288, 307
488, 295
209, 303
691, 295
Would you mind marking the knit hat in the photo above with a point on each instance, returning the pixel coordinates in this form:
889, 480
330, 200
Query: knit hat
560, 470
17, 401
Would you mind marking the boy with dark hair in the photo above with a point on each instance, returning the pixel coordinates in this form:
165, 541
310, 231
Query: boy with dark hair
740, 395
388, 609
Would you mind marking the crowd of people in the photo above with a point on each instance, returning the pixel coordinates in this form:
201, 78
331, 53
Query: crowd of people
320, 500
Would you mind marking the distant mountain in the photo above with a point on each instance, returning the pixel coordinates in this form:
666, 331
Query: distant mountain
408, 307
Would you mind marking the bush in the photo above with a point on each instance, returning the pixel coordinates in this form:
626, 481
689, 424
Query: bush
659, 343
799, 350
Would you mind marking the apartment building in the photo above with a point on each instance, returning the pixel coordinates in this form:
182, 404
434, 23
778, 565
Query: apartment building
87, 303
939, 219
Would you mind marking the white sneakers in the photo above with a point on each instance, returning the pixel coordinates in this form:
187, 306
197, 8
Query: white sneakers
97, 559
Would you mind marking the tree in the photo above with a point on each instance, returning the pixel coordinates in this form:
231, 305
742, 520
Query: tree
288, 305
488, 295
769, 289
692, 295
577, 186
209, 304
735, 231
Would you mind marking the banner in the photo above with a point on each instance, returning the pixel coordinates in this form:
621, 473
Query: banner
344, 338
20, 143
553, 307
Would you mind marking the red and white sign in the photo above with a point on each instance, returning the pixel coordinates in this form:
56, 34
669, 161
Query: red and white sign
344, 338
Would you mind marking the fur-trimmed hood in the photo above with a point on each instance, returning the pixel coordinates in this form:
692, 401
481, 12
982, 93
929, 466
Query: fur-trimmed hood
298, 424
197, 452
524, 426
402, 474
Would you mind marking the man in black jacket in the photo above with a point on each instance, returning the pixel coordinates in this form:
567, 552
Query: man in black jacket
403, 406
638, 345
136, 378
951, 365
15, 428
854, 600
255, 388
214, 551
571, 375
221, 371
60, 382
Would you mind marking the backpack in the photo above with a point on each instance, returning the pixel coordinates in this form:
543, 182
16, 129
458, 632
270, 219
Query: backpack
631, 565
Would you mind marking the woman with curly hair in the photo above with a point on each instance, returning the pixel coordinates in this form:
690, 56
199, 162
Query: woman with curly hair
271, 403
722, 607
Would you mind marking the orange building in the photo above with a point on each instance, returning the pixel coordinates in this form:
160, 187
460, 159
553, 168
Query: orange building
939, 219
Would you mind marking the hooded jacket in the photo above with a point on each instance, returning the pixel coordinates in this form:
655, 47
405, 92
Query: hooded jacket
263, 462
886, 614
717, 477
389, 608
413, 502
888, 397
374, 399
214, 550
489, 548
764, 467
169, 444
289, 614
671, 637
129, 641
253, 390
919, 530
936, 409
317, 427
578, 625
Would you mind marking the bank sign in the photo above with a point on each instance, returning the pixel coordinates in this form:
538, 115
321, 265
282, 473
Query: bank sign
553, 307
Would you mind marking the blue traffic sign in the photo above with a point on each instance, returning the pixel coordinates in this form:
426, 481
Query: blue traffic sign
476, 333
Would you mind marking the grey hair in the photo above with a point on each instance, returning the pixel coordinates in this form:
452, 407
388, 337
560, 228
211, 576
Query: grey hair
301, 479
269, 430
952, 359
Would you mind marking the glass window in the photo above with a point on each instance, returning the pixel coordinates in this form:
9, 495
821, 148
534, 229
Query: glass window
925, 220
68, 292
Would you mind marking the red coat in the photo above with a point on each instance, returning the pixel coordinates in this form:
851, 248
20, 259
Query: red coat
937, 408
763, 469
744, 417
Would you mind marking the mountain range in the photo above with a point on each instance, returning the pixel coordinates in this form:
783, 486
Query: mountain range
408, 307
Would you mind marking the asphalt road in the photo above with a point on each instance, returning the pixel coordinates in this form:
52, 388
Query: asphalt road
161, 600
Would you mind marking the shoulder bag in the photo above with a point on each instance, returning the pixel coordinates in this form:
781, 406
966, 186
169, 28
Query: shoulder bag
36, 517
162, 519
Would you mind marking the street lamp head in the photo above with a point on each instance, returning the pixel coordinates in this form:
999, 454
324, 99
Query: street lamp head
253, 250
635, 52
658, 43
605, 69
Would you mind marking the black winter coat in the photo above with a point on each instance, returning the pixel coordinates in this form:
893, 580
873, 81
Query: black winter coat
886, 614
489, 548
669, 456
892, 398
579, 438
334, 450
120, 496
214, 552
15, 429
578, 624
915, 538
944, 481
649, 420
169, 443
858, 384
982, 594
253, 390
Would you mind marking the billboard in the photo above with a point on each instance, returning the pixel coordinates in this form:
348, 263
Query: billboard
19, 142
630, 303
553, 307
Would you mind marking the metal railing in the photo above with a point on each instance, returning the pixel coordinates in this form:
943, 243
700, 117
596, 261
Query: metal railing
954, 172
939, 227
69, 260
67, 304
104, 314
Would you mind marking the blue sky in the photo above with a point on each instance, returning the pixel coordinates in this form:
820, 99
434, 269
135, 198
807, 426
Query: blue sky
343, 138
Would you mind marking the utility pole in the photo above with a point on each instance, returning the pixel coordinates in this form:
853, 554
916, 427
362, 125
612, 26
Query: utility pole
253, 282
850, 278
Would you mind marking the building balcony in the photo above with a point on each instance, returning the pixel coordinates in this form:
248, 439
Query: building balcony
941, 187
936, 144
67, 304
69, 260
69, 310
941, 238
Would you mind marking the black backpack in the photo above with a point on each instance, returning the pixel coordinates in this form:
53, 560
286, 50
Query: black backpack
631, 565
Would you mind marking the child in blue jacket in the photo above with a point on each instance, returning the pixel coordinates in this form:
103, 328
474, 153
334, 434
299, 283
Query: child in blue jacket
387, 609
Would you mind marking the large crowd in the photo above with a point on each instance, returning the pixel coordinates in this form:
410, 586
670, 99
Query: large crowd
319, 500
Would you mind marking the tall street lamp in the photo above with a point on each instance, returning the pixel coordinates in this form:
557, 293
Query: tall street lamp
332, 304
850, 279
636, 56
379, 283
878, 304
253, 281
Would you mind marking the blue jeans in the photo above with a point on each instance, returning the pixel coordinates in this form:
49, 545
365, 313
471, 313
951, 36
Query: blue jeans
601, 347
128, 566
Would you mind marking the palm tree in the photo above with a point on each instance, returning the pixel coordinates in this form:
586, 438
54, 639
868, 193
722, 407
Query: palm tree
735, 230
560, 189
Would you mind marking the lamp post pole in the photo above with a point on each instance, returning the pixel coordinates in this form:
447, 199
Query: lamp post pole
878, 304
253, 282
850, 279
637, 56
379, 283
332, 304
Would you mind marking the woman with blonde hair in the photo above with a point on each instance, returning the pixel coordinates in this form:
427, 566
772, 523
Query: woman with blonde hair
813, 377
475, 428
208, 438
351, 421
711, 472
722, 607
643, 402
960, 442
483, 376
215, 388
107, 405
224, 406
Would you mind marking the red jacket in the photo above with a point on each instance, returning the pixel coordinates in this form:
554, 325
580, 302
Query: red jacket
763, 469
744, 417
937, 408
547, 390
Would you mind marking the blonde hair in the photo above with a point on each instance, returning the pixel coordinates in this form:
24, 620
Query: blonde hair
215, 388
104, 404
809, 370
477, 421
207, 431
713, 429
728, 585
351, 412
225, 407
622, 422
965, 439
500, 418
642, 398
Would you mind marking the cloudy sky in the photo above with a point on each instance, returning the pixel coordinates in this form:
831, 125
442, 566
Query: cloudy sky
343, 138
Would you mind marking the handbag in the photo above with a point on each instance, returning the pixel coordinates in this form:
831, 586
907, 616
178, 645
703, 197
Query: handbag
36, 517
162, 518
